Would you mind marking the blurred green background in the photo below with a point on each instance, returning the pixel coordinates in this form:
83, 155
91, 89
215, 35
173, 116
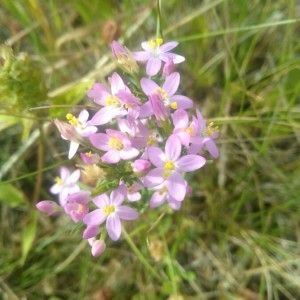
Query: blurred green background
237, 236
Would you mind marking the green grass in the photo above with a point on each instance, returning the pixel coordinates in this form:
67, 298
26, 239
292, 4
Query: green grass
237, 236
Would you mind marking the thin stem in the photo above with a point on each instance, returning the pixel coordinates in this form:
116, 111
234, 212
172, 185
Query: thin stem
159, 32
40, 162
140, 255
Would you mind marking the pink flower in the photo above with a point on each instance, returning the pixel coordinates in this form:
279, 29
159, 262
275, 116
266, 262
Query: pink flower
111, 210
161, 195
76, 205
90, 158
116, 144
204, 136
65, 184
184, 129
116, 102
82, 127
167, 92
156, 52
170, 166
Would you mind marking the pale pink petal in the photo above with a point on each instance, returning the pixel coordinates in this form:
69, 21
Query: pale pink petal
101, 200
154, 178
157, 199
117, 83
117, 196
168, 46
212, 148
127, 213
64, 173
190, 163
55, 189
129, 153
180, 119
90, 232
96, 217
83, 116
182, 101
153, 66
100, 141
148, 86
173, 147
171, 84
104, 115
113, 226
74, 177
176, 186
141, 55
111, 157
88, 131
156, 156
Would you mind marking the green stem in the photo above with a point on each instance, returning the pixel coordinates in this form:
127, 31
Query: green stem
140, 255
159, 33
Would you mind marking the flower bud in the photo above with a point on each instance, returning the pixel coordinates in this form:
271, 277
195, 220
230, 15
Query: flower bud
51, 208
124, 57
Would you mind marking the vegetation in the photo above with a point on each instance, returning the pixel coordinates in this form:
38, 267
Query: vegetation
237, 235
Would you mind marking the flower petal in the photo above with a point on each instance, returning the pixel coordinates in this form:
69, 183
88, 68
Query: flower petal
190, 163
90, 232
148, 86
171, 84
157, 199
117, 83
113, 226
117, 196
156, 156
176, 186
95, 217
111, 157
173, 147
182, 101
100, 141
212, 148
168, 46
127, 213
153, 66
154, 177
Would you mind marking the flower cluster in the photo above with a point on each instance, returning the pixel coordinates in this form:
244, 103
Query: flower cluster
141, 137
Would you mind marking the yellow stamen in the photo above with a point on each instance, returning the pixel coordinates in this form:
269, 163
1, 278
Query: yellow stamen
173, 105
155, 42
163, 190
90, 154
109, 209
211, 129
162, 92
115, 143
169, 166
112, 101
190, 131
58, 180
73, 120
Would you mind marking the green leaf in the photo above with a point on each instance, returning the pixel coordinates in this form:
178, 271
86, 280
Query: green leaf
11, 196
28, 236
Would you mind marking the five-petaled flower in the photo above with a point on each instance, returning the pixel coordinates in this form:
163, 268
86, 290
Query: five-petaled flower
65, 184
111, 210
169, 167
155, 51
